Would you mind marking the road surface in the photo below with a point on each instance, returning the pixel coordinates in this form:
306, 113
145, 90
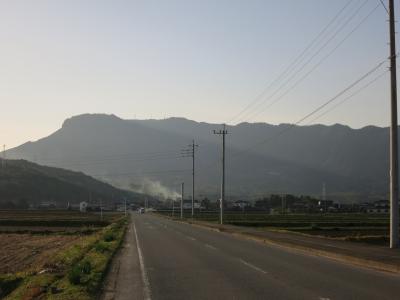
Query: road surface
181, 261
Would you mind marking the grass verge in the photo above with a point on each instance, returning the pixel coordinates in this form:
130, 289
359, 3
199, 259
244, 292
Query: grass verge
76, 273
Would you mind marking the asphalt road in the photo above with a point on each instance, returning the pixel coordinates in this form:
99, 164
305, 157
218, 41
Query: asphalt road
180, 261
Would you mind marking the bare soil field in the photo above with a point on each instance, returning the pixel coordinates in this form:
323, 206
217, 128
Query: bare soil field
54, 250
354, 227
47, 229
55, 218
23, 252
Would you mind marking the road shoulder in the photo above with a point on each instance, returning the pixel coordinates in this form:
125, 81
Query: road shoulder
124, 280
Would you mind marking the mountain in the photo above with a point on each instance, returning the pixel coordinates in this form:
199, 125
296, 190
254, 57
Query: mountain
23, 182
144, 155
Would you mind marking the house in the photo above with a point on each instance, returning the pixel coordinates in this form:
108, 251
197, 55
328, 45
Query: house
121, 207
325, 203
187, 204
47, 205
83, 206
379, 207
241, 204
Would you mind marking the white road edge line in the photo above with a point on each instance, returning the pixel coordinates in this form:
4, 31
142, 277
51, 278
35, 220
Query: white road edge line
191, 238
253, 266
146, 283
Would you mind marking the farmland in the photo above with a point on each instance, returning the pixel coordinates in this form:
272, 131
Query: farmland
42, 253
358, 227
23, 252
51, 219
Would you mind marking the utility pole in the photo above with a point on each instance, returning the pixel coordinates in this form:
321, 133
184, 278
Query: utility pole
324, 197
3, 161
125, 206
394, 165
101, 209
182, 190
191, 153
222, 132
173, 207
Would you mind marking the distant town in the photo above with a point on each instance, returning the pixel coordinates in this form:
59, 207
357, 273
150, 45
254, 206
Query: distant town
274, 204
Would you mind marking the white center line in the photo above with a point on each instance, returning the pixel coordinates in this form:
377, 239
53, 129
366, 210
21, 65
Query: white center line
210, 246
253, 266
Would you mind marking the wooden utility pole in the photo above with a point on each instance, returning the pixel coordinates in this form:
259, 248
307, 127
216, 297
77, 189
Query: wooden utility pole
394, 165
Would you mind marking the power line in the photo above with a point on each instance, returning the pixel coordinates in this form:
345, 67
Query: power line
105, 162
349, 97
384, 6
301, 79
75, 158
320, 49
291, 126
111, 158
292, 64
140, 174
341, 93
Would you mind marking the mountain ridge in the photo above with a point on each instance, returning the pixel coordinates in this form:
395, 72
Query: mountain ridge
350, 161
30, 183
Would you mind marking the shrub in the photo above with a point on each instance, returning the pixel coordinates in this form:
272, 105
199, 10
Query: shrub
101, 247
94, 282
109, 237
8, 283
75, 275
86, 267
314, 226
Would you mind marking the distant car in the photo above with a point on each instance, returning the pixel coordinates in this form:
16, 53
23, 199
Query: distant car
141, 210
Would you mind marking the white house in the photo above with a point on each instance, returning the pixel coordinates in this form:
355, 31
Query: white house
83, 206
187, 204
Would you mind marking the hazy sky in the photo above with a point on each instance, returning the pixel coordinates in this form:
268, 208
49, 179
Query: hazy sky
203, 60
